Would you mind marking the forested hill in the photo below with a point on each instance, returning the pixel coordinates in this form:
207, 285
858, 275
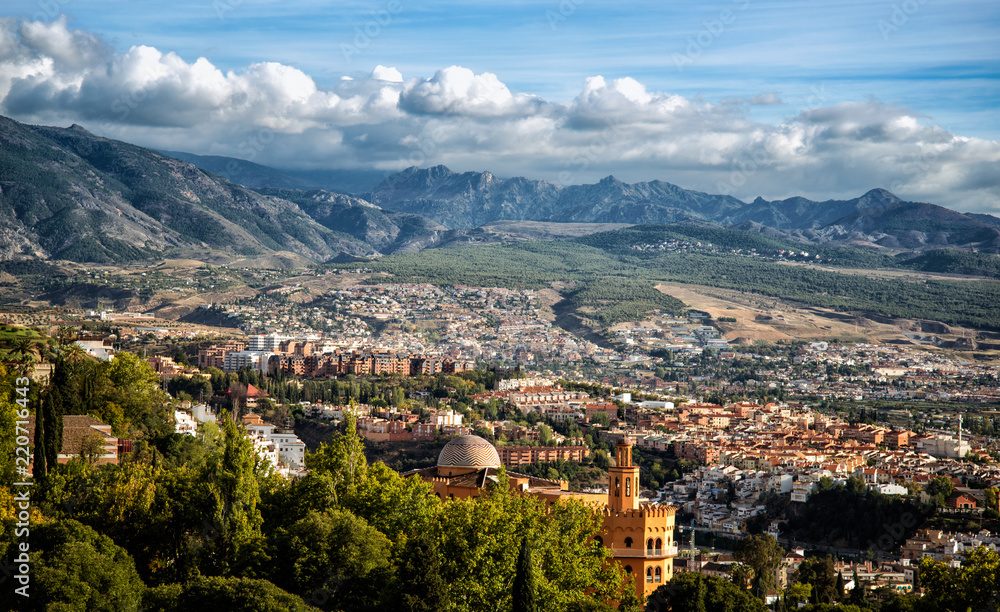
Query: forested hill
610, 276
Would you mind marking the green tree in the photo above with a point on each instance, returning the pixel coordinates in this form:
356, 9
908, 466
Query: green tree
544, 434
136, 395
798, 593
204, 594
343, 458
8, 425
525, 590
235, 492
76, 568
335, 556
479, 542
762, 554
820, 574
422, 588
940, 488
741, 575
601, 419
970, 587
394, 505
990, 496
692, 591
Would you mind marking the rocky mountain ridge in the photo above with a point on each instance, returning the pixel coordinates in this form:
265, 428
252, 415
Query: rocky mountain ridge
68, 194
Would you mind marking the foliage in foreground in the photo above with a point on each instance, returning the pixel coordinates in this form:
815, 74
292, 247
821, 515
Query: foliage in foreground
201, 523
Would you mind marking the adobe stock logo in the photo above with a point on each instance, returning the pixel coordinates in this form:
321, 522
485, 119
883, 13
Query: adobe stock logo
365, 34
899, 17
714, 28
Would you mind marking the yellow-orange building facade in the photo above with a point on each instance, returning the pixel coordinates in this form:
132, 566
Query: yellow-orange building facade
640, 536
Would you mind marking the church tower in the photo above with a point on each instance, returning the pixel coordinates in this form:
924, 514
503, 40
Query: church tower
623, 479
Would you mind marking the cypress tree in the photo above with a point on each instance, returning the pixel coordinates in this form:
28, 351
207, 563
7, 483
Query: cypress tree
421, 585
51, 413
38, 461
699, 604
525, 589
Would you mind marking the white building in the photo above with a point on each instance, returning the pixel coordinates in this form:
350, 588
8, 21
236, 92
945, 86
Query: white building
102, 349
445, 418
266, 450
891, 489
184, 423
944, 446
780, 483
203, 413
246, 359
267, 342
291, 450
801, 490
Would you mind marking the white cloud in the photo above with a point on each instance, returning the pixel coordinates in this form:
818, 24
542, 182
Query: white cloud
459, 91
381, 73
277, 114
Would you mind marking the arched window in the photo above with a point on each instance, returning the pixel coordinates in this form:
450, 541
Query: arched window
659, 575
628, 487
649, 545
628, 542
628, 569
599, 540
659, 545
618, 487
649, 574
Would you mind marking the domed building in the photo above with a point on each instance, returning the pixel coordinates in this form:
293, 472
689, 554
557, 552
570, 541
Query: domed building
467, 463
467, 454
640, 536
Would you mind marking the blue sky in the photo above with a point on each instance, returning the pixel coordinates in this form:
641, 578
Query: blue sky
746, 76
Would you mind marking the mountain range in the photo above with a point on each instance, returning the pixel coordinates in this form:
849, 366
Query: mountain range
69, 194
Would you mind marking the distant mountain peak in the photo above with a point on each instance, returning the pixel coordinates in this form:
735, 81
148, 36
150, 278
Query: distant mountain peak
439, 170
878, 197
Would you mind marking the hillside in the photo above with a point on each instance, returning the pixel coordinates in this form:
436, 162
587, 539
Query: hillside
71, 195
68, 194
385, 230
607, 277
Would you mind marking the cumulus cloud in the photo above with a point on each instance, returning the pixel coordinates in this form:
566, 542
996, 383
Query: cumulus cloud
459, 91
381, 73
278, 115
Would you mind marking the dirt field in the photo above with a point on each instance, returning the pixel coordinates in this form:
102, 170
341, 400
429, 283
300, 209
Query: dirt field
764, 318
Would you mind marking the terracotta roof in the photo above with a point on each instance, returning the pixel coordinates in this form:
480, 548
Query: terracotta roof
479, 478
76, 428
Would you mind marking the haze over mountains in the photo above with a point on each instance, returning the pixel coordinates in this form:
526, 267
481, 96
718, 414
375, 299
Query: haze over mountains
69, 194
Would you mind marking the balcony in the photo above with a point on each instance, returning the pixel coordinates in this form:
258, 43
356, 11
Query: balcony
644, 553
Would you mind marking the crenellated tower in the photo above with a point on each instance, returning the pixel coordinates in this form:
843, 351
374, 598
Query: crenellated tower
641, 537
